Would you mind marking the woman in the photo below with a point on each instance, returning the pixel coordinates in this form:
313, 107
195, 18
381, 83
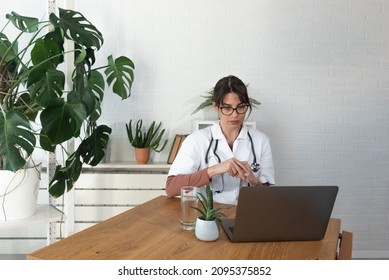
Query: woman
228, 154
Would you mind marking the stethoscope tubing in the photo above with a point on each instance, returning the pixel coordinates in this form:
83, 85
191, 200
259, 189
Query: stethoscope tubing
254, 166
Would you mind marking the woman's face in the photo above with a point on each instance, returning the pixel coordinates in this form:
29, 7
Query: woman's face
235, 120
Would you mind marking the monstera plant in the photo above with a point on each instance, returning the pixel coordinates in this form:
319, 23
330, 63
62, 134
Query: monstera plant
36, 110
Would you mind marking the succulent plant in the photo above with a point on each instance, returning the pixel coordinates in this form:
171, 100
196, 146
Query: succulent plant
150, 137
208, 211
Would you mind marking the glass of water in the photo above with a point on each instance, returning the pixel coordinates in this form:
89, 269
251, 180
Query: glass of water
188, 201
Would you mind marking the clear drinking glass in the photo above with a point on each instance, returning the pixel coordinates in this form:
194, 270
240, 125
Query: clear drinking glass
188, 214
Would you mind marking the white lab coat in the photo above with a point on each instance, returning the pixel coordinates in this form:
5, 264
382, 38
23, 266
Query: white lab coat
191, 158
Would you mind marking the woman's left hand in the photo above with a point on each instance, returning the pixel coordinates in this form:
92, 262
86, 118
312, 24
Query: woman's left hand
248, 174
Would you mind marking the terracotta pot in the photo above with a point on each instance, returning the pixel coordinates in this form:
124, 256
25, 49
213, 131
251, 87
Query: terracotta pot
142, 155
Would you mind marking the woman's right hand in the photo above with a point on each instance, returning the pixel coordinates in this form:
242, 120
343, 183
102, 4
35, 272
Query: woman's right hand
232, 167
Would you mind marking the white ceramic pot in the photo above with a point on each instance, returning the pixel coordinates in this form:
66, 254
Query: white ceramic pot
18, 193
206, 230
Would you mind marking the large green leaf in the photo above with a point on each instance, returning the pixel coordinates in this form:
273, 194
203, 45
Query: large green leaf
15, 137
64, 177
7, 51
96, 85
77, 28
46, 53
95, 95
85, 58
73, 166
46, 85
92, 152
45, 142
120, 73
91, 93
62, 121
23, 23
60, 182
92, 149
25, 105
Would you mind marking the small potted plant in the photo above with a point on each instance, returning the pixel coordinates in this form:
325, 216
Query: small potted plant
144, 139
207, 224
207, 102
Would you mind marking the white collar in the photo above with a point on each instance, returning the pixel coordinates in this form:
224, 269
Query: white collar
218, 134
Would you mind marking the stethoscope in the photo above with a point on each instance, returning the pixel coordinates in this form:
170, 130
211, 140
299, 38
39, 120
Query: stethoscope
255, 167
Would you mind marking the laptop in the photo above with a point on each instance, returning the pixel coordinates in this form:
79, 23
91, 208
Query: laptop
295, 213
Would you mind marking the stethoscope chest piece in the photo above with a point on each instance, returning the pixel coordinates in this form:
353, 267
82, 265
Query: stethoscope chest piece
255, 167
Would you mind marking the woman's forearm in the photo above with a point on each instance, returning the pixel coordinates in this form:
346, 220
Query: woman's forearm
175, 183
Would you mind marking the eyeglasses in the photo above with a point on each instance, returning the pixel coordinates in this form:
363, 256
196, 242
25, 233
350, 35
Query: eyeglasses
228, 110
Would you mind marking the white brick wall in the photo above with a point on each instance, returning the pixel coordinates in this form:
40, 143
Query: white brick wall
319, 67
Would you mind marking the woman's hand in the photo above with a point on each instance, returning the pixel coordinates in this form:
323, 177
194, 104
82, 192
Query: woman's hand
230, 166
235, 168
248, 174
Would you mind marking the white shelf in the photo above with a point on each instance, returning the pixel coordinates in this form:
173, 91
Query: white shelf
44, 214
130, 166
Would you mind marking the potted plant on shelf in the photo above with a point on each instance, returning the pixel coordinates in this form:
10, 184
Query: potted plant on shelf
207, 102
37, 112
144, 139
207, 224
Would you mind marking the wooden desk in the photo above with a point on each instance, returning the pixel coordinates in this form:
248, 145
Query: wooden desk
152, 231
